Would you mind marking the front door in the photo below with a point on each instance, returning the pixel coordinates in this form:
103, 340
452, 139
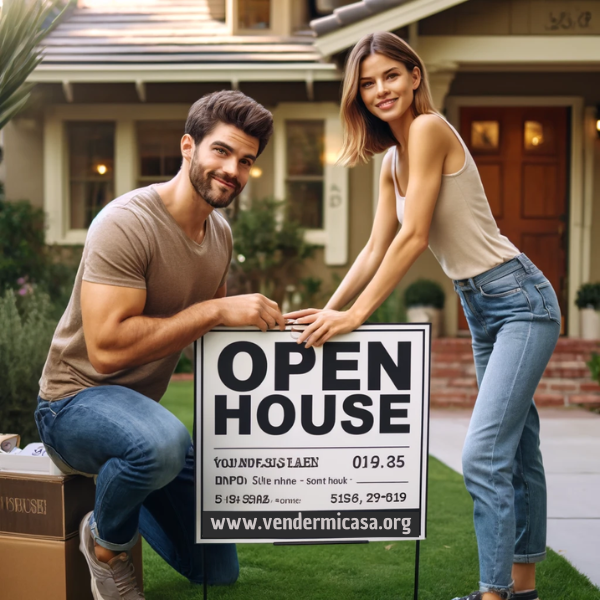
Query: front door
521, 154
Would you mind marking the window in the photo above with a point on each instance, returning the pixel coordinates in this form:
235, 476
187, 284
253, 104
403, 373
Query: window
305, 173
254, 14
307, 139
159, 150
91, 169
485, 135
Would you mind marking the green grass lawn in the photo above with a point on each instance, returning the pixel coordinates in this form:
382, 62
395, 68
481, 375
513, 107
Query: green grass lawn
376, 571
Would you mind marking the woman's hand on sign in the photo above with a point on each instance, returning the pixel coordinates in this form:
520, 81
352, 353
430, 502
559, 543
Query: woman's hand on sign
322, 325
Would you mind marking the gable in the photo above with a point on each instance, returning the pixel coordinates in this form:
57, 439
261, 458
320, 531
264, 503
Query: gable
515, 17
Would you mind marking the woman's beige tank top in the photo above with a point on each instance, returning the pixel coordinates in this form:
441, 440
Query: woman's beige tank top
463, 236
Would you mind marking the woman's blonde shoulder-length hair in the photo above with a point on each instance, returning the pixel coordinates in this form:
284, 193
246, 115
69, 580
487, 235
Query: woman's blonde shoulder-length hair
364, 133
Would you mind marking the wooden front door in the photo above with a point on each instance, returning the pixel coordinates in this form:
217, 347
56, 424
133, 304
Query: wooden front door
521, 154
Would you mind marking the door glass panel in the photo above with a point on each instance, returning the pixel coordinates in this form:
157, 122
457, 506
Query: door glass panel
254, 14
533, 135
485, 135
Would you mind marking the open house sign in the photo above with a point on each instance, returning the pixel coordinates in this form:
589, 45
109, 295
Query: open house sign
317, 444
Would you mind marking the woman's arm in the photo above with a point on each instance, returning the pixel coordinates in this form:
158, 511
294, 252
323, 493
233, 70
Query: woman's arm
368, 261
427, 149
385, 226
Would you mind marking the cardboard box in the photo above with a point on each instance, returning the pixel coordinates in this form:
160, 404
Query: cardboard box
35, 569
39, 537
41, 465
49, 507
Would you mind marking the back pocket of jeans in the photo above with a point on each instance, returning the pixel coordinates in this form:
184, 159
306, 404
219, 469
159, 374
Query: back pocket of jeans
61, 463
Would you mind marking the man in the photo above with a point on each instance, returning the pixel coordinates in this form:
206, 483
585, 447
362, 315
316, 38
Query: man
151, 281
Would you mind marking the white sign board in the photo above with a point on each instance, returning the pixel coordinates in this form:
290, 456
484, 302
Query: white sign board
317, 444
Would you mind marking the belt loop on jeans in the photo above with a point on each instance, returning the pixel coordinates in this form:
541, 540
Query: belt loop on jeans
472, 284
525, 262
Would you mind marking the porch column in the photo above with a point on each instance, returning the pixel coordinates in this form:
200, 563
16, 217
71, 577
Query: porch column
441, 76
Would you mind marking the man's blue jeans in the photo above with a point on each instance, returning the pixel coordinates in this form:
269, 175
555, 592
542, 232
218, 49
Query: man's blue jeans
514, 318
144, 459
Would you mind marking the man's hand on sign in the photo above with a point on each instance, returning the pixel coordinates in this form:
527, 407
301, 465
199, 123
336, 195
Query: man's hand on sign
321, 325
250, 309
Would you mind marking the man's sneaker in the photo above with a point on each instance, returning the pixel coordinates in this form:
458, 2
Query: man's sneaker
114, 580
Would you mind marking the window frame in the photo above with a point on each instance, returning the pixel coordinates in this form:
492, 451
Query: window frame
334, 235
57, 199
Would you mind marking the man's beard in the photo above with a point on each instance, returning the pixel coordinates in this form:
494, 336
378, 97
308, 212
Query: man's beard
202, 182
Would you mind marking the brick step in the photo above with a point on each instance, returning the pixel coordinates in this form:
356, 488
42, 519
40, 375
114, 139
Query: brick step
566, 380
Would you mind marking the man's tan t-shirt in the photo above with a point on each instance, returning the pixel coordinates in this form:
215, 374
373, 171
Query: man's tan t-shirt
135, 242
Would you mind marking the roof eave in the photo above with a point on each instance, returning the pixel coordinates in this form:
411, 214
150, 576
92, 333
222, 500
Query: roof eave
165, 73
388, 20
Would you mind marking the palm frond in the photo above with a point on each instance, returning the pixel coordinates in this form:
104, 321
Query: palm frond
13, 109
21, 32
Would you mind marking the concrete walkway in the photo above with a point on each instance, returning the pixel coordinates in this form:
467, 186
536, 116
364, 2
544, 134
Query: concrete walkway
571, 451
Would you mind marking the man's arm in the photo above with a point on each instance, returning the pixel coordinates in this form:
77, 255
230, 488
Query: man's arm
118, 336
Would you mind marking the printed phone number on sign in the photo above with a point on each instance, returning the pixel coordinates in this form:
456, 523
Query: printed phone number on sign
369, 498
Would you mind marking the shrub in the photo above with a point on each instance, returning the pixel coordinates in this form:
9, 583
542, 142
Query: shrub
27, 262
22, 247
268, 248
588, 296
424, 292
391, 311
26, 328
184, 365
594, 366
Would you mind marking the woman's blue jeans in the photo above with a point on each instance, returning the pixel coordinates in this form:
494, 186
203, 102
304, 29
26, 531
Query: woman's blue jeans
144, 461
514, 318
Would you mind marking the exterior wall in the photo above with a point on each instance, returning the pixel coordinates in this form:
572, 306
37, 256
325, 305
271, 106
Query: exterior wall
24, 159
595, 248
516, 17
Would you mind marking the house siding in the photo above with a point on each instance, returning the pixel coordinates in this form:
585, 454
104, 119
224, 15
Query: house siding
516, 17
24, 159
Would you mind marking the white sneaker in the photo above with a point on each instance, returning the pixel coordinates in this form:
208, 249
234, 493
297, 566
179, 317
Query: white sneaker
114, 580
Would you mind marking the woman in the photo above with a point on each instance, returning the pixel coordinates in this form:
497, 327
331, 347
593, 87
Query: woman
430, 184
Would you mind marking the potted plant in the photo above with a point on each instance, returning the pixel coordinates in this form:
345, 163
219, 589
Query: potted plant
424, 300
588, 302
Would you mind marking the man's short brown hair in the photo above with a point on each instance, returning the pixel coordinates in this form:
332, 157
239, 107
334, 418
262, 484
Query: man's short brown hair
232, 108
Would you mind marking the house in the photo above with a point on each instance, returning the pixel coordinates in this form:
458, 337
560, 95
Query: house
520, 79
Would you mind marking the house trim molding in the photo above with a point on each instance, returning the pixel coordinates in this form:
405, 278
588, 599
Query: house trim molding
507, 50
580, 208
193, 72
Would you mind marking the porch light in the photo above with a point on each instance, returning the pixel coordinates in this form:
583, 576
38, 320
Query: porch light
102, 169
255, 172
